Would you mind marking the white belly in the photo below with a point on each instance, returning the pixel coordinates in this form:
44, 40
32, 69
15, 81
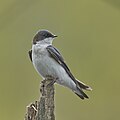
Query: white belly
46, 65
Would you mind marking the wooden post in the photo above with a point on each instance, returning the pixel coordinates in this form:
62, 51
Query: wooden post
43, 109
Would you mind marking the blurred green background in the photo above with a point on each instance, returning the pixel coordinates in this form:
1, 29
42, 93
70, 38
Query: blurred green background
89, 39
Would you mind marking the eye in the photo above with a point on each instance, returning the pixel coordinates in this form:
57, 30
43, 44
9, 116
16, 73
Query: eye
47, 35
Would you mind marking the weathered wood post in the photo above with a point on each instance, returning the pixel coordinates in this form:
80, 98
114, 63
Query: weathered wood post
43, 109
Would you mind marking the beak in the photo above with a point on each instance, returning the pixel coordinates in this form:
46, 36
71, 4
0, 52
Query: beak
55, 36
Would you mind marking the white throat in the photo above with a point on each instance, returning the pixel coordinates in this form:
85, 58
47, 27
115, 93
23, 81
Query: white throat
46, 41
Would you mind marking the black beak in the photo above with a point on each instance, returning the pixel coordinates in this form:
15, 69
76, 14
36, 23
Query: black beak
55, 36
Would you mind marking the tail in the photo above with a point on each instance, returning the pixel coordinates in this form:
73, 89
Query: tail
79, 92
81, 85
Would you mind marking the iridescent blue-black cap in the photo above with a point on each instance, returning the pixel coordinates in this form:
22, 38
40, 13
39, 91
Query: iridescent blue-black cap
42, 34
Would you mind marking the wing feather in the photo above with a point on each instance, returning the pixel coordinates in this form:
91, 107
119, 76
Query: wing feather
55, 54
30, 54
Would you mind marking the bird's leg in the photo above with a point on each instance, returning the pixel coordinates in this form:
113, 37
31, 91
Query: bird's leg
49, 77
53, 80
51, 83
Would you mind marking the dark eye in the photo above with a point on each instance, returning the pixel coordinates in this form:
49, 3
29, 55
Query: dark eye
48, 35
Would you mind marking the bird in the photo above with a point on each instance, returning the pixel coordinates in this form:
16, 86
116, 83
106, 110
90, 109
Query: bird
48, 61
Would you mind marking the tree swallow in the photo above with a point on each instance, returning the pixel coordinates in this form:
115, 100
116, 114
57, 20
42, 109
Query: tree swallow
48, 61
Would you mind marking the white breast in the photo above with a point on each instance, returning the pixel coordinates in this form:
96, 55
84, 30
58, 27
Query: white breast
46, 65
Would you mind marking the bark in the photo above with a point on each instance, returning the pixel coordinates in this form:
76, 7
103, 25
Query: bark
43, 109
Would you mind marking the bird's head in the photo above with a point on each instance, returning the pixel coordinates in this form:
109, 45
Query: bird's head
43, 37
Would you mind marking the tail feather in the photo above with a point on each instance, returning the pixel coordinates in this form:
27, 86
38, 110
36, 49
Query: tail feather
79, 89
80, 96
80, 93
83, 86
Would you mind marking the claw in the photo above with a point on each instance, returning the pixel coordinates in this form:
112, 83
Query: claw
49, 77
51, 83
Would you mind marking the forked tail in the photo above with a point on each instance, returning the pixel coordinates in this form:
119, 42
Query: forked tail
79, 89
83, 86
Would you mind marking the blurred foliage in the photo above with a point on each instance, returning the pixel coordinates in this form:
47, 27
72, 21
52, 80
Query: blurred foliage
89, 39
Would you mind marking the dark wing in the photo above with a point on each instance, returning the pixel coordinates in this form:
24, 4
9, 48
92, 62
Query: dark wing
58, 57
30, 54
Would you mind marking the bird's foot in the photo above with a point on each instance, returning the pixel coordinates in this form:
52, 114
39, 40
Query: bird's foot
51, 83
53, 80
49, 77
